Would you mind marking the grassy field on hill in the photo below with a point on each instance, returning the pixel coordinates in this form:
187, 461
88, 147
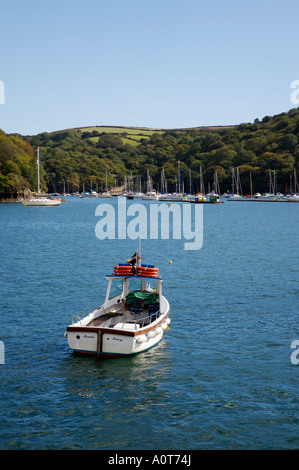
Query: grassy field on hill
128, 135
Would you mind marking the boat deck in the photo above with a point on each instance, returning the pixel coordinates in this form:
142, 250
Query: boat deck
110, 319
100, 320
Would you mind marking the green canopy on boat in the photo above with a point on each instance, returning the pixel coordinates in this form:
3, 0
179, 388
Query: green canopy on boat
147, 297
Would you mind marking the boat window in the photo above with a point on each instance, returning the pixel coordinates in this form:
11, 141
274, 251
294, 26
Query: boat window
116, 289
135, 284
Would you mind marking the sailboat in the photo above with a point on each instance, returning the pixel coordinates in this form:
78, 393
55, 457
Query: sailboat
105, 193
130, 194
151, 193
40, 200
236, 182
294, 197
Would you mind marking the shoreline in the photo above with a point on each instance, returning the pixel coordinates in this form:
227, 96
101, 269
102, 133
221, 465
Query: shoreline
9, 199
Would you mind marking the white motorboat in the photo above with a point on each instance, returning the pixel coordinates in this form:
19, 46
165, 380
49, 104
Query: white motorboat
176, 197
130, 321
40, 200
151, 195
92, 194
293, 198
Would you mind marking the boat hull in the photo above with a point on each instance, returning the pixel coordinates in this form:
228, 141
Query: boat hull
41, 202
112, 342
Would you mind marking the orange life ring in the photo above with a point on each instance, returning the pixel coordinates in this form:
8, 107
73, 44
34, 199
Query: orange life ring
146, 270
121, 270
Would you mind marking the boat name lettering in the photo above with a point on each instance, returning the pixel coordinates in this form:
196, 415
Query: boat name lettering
116, 339
88, 336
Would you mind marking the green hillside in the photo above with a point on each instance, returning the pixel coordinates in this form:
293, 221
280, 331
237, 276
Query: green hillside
16, 166
83, 155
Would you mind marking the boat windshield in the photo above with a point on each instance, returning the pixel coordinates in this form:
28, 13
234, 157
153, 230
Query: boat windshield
135, 283
116, 288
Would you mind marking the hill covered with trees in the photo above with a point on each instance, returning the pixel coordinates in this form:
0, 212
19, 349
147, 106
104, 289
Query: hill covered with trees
73, 157
16, 159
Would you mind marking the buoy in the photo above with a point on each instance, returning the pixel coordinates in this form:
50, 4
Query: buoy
170, 262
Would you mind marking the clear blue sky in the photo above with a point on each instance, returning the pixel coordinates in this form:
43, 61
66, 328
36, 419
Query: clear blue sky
152, 63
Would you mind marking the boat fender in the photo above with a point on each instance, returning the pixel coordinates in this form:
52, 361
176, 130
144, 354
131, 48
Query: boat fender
151, 334
164, 325
159, 330
141, 339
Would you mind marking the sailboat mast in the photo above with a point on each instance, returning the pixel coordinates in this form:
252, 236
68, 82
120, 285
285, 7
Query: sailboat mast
179, 175
38, 180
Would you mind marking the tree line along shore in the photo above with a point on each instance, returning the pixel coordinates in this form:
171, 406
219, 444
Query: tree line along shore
103, 156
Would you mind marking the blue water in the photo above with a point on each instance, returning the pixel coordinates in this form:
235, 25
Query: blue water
222, 378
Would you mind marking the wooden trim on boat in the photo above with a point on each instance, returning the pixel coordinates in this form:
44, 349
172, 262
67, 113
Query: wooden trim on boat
94, 329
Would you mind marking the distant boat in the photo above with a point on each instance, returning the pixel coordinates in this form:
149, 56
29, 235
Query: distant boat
92, 194
130, 195
151, 193
40, 200
236, 182
106, 193
294, 197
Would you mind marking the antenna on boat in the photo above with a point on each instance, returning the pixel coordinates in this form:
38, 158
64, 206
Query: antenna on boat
139, 255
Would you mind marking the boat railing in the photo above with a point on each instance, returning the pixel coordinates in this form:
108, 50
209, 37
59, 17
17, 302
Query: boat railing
81, 315
141, 322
